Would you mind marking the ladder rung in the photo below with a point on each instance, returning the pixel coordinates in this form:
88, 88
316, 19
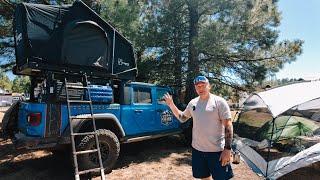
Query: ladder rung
77, 87
90, 170
86, 151
78, 101
75, 117
82, 134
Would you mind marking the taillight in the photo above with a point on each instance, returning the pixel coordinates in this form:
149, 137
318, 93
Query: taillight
34, 119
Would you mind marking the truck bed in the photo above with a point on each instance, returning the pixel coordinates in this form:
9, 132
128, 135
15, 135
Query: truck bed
54, 117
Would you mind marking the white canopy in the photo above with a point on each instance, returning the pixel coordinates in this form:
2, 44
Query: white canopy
280, 99
302, 96
278, 167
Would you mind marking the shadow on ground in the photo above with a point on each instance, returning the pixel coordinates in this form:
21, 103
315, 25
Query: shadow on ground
38, 165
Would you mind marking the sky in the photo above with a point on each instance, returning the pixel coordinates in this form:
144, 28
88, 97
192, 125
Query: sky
301, 20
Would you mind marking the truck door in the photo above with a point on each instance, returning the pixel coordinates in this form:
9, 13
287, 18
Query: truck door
143, 108
164, 116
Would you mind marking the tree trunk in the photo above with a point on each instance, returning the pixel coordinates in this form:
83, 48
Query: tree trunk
178, 64
138, 59
193, 64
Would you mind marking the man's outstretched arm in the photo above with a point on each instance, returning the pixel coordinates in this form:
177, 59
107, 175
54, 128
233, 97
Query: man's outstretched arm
177, 113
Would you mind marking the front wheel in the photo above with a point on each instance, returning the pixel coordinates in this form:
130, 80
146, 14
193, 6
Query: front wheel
109, 148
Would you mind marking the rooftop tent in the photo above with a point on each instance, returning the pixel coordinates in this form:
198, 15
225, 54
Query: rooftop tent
278, 130
84, 44
69, 38
37, 33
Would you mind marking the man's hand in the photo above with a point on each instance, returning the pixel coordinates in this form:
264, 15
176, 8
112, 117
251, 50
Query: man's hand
225, 157
168, 98
177, 113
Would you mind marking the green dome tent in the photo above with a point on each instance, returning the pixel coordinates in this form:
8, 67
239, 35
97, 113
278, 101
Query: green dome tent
277, 130
286, 127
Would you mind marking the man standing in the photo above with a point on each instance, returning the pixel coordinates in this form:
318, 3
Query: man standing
212, 132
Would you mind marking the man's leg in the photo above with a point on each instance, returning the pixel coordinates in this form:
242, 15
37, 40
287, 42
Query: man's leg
199, 165
218, 171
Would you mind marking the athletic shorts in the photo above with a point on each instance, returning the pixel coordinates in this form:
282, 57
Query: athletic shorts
205, 164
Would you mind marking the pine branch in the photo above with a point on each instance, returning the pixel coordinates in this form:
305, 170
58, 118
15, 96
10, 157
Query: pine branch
229, 84
238, 58
7, 66
256, 60
8, 3
6, 44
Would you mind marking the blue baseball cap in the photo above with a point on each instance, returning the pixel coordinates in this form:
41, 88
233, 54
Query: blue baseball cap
200, 79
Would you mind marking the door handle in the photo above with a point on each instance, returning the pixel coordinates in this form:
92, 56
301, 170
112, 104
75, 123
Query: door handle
138, 111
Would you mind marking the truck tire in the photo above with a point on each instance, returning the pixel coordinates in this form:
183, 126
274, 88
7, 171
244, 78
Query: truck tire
109, 147
10, 121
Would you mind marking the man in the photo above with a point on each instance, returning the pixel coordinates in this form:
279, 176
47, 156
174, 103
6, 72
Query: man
211, 134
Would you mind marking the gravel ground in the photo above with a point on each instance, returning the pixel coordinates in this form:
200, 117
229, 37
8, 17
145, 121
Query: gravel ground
163, 159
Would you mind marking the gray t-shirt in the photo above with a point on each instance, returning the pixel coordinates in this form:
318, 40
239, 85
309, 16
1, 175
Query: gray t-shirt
208, 130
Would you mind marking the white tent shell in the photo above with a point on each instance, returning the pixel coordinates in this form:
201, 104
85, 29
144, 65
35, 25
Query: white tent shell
279, 100
299, 96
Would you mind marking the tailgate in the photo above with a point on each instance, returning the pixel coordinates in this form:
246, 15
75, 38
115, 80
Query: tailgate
29, 111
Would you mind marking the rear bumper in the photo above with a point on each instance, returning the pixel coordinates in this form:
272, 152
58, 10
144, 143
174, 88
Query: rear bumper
21, 141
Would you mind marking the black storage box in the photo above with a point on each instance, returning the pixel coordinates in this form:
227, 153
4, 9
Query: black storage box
74, 93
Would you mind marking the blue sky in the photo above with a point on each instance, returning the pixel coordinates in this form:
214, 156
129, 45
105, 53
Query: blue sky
301, 20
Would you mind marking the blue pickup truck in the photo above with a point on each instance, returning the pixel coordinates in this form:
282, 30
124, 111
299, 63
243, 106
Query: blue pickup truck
53, 43
137, 113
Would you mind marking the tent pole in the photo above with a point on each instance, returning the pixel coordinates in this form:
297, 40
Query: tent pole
270, 144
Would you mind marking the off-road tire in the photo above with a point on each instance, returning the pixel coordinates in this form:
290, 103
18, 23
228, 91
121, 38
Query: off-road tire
10, 121
109, 146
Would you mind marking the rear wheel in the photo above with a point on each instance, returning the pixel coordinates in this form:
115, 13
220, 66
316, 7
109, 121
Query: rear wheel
109, 148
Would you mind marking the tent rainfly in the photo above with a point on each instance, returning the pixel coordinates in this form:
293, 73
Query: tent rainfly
278, 130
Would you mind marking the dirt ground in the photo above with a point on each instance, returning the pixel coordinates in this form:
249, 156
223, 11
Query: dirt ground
165, 159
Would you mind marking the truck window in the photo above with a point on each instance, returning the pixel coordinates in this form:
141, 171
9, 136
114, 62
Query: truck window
142, 95
126, 95
160, 93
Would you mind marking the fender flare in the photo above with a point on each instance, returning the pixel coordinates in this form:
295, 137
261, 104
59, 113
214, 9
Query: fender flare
78, 123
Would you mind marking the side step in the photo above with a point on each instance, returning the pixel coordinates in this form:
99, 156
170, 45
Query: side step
142, 138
